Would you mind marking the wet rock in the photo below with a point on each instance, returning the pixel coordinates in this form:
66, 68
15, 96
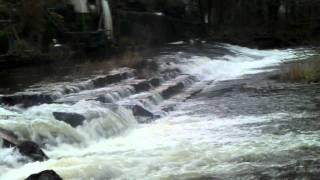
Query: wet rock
142, 86
175, 86
26, 148
7, 144
103, 81
141, 111
170, 74
45, 175
221, 91
145, 85
9, 139
143, 115
73, 119
32, 150
26, 100
104, 99
172, 90
155, 82
193, 94
113, 78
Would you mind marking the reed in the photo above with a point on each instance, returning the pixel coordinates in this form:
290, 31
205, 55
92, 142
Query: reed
307, 71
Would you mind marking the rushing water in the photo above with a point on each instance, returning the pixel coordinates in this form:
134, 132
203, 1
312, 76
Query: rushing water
199, 139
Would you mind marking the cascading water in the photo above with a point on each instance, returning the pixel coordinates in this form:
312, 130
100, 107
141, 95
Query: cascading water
80, 5
108, 24
194, 141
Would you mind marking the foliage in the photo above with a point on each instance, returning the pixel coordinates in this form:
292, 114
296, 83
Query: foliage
28, 20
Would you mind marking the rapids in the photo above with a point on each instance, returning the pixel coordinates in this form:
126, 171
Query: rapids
201, 138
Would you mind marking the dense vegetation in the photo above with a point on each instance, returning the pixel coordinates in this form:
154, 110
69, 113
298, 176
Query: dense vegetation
266, 24
25, 22
285, 22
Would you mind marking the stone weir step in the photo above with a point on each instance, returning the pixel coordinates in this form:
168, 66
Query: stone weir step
75, 119
175, 86
106, 94
111, 93
189, 93
136, 102
48, 93
166, 90
151, 101
117, 91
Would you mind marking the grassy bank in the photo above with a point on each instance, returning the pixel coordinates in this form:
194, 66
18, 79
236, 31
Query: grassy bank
306, 71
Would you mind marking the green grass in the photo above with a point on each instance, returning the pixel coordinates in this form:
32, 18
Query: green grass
307, 71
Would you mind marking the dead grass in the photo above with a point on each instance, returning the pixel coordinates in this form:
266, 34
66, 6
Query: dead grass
307, 71
130, 59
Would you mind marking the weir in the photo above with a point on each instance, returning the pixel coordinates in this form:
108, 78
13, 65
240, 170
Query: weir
175, 125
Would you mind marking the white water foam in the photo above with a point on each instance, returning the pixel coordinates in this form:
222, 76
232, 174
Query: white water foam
38, 123
245, 61
177, 147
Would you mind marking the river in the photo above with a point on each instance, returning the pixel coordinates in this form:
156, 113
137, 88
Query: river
213, 129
